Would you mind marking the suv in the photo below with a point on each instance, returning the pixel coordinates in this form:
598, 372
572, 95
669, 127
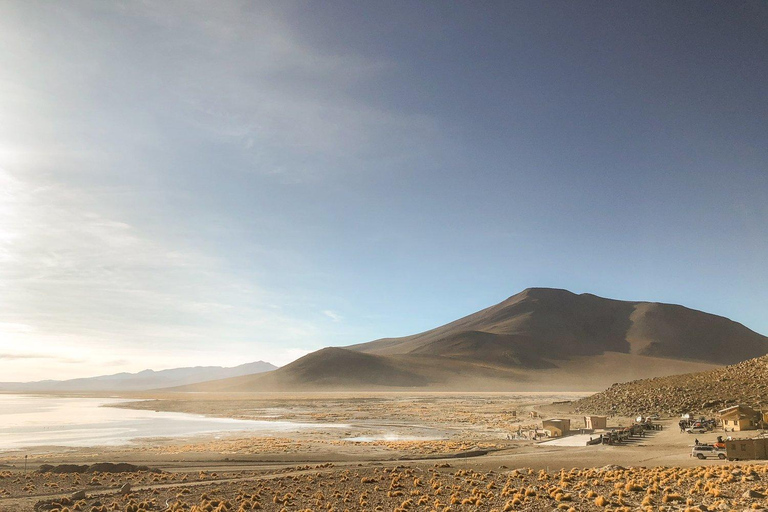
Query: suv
704, 451
696, 430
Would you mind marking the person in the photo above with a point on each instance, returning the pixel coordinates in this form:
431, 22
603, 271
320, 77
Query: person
697, 442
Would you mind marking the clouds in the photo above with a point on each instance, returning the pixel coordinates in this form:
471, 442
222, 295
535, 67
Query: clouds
119, 83
78, 282
108, 108
22, 357
333, 315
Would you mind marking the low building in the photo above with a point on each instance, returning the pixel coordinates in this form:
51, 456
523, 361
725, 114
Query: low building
738, 418
747, 449
595, 422
557, 427
763, 416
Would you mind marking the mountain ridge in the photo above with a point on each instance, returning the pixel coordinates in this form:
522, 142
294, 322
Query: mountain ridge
143, 380
562, 319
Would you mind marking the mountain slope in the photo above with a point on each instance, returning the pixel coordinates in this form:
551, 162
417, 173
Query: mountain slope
340, 369
540, 339
141, 381
543, 324
742, 383
328, 368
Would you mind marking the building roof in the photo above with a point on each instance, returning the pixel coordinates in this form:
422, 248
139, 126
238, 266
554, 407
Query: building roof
742, 411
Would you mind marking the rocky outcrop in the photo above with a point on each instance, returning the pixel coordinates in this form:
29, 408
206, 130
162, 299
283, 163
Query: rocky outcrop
742, 383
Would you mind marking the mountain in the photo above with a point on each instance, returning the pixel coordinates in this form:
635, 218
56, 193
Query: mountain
743, 383
141, 381
540, 339
534, 327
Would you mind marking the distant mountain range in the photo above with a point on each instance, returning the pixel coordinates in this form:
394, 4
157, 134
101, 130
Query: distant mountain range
540, 339
141, 381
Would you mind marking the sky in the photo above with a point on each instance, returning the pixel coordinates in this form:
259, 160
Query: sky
212, 183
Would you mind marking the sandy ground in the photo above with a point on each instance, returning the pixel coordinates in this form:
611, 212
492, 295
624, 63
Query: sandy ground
468, 468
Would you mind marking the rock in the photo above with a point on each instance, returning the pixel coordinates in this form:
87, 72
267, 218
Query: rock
125, 489
79, 495
62, 469
121, 467
751, 494
702, 392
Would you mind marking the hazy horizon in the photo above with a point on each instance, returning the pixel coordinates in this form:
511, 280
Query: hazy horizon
199, 184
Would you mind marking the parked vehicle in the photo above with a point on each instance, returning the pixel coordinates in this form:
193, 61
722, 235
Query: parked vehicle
707, 451
696, 430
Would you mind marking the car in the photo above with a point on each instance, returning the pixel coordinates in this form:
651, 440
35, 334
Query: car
654, 417
696, 430
706, 451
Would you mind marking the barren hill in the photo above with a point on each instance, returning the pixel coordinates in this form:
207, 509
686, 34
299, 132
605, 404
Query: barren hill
540, 339
742, 383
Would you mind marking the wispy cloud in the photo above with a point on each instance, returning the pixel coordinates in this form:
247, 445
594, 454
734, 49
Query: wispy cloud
78, 282
333, 315
232, 73
19, 357
13, 357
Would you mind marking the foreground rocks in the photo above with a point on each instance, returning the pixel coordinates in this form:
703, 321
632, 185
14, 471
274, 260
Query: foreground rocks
706, 392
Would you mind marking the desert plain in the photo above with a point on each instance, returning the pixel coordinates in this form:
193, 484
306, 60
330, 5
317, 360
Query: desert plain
381, 451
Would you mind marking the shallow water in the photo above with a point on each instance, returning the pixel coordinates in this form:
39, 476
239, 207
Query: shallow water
34, 420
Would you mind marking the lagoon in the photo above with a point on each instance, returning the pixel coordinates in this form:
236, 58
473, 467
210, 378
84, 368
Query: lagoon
41, 420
